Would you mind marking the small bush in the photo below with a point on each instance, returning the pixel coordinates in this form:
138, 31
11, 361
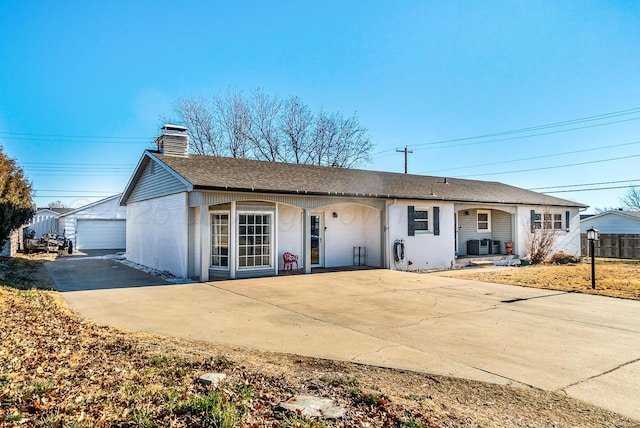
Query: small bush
539, 245
562, 258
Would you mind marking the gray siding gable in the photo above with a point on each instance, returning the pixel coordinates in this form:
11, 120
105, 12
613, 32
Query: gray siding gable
155, 180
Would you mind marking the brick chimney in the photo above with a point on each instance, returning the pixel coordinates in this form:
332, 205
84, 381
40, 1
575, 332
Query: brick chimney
173, 140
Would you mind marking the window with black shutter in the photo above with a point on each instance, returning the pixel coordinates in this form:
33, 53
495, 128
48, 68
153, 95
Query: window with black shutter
418, 220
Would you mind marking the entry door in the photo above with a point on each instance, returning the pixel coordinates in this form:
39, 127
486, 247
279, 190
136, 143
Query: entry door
317, 252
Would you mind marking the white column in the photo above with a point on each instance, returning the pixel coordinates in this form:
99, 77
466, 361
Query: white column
205, 242
233, 235
306, 239
275, 249
383, 238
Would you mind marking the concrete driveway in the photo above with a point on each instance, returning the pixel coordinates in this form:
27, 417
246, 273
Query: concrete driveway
586, 346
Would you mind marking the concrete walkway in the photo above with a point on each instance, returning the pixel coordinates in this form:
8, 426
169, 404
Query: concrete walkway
586, 346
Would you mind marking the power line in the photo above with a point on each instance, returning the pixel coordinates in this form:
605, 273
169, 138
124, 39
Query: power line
73, 136
72, 191
594, 189
76, 163
516, 138
584, 184
72, 196
39, 140
552, 167
533, 128
535, 157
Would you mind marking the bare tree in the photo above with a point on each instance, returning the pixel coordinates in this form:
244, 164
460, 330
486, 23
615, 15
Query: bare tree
56, 204
631, 200
196, 113
232, 118
296, 122
262, 127
262, 130
353, 146
325, 136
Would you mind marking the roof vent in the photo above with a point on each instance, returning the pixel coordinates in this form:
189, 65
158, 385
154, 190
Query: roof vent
173, 140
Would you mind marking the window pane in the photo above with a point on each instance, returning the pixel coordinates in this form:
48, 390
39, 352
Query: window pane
219, 240
421, 225
483, 217
421, 215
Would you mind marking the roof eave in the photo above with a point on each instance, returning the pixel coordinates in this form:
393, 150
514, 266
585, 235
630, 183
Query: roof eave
372, 195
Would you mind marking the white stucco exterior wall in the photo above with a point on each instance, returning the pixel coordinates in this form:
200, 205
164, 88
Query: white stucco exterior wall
157, 233
289, 234
425, 250
355, 226
567, 241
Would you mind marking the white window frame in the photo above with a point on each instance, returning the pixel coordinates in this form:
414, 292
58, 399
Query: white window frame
537, 222
270, 244
212, 255
548, 220
488, 221
417, 221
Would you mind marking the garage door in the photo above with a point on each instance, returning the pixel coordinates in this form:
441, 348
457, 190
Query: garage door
100, 234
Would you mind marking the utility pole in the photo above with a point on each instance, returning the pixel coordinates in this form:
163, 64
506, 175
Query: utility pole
406, 152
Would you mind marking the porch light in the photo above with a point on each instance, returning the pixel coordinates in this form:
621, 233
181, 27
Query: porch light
593, 235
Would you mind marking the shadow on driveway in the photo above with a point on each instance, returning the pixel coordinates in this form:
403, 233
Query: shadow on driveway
97, 273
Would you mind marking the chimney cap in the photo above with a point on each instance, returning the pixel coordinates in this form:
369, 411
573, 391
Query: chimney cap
171, 127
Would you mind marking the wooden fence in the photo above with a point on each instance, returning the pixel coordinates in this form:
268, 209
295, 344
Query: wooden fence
614, 246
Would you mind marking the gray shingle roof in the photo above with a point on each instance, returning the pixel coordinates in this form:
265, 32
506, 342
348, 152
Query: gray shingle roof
219, 173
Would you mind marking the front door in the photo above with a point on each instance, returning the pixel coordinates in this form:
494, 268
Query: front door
317, 258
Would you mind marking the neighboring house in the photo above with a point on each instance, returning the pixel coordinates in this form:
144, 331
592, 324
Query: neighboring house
211, 217
100, 225
45, 220
619, 233
617, 222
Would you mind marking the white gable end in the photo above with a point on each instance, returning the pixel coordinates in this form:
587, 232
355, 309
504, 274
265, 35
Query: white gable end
154, 181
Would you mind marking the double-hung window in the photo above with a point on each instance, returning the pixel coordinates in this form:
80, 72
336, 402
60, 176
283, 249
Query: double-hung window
421, 220
483, 221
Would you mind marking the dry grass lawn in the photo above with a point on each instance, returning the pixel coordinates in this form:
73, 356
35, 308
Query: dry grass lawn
614, 278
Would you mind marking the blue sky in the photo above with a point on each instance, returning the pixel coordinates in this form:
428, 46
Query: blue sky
83, 84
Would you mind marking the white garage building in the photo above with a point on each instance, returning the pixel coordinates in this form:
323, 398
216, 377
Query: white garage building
97, 226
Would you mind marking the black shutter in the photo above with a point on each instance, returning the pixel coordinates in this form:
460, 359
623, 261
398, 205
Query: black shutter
567, 218
533, 221
410, 219
436, 220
